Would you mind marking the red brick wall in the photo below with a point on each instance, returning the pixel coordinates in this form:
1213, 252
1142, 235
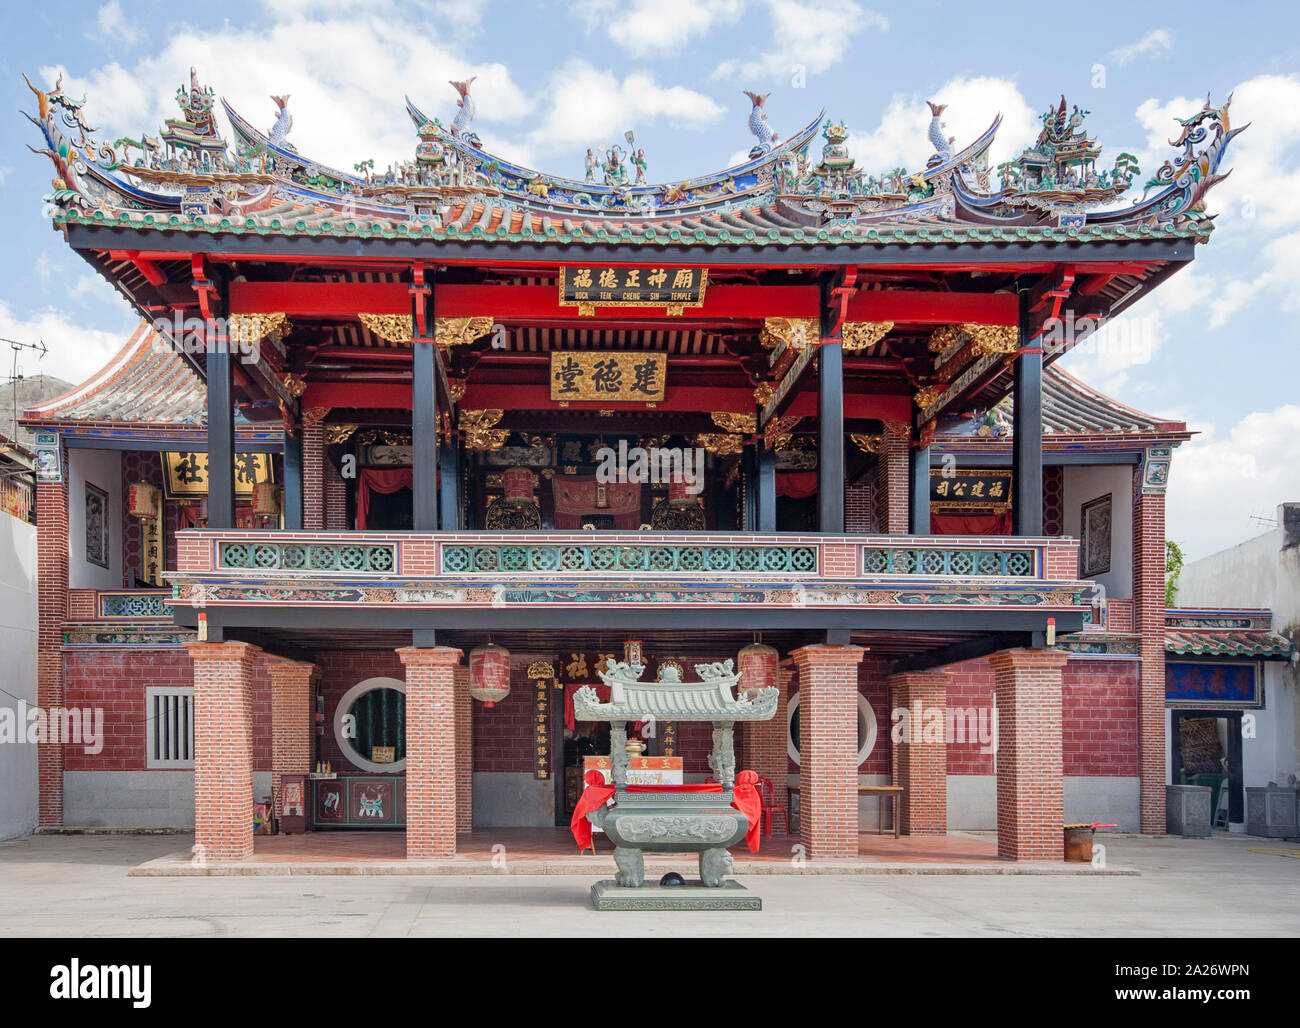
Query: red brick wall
313, 478
971, 685
503, 736
340, 671
115, 679
892, 483
874, 685
860, 516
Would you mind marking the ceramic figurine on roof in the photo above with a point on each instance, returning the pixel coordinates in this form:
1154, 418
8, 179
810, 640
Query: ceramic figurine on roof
766, 135
465, 112
188, 178
283, 121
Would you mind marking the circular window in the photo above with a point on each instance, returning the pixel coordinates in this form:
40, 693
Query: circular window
866, 728
370, 722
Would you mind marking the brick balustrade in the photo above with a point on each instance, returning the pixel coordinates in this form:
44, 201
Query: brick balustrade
1031, 809
223, 749
431, 745
921, 758
828, 746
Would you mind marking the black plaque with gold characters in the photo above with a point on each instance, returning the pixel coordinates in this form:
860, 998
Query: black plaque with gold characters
968, 488
590, 286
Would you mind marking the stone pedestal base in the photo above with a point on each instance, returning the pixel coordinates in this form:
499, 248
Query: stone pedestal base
694, 895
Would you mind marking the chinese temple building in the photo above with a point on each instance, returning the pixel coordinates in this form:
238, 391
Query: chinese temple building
395, 462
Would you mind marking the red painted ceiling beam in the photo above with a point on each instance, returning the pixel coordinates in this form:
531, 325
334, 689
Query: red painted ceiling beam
541, 303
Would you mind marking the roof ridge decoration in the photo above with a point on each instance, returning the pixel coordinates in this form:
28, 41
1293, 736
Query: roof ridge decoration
189, 175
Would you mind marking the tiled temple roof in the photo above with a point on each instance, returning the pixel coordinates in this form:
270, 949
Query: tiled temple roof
1258, 643
1070, 407
188, 180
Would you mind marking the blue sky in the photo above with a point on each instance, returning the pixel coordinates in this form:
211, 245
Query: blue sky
1214, 346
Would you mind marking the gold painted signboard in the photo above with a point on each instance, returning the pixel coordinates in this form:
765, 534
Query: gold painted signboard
965, 488
590, 286
185, 475
603, 376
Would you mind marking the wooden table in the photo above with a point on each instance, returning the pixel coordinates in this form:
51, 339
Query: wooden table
893, 792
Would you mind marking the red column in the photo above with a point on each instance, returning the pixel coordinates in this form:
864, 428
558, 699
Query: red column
1149, 622
313, 477
52, 602
828, 749
1031, 809
223, 749
292, 703
430, 750
464, 752
892, 478
921, 757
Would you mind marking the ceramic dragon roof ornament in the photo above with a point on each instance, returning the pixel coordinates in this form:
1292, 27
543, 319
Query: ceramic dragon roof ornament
189, 171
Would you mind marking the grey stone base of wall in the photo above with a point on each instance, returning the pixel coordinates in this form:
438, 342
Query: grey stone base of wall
973, 802
505, 799
137, 799
731, 895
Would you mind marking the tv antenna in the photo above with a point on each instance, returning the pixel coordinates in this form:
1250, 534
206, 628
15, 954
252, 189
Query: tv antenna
1263, 520
15, 377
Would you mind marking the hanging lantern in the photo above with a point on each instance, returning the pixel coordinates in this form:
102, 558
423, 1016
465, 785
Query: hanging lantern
757, 664
489, 673
632, 653
142, 500
266, 500
679, 493
518, 485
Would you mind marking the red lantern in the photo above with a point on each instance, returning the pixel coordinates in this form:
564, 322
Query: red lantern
142, 500
489, 673
678, 492
757, 664
518, 485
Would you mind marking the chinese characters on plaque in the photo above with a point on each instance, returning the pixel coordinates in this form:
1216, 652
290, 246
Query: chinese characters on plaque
186, 474
589, 286
603, 376
152, 552
964, 488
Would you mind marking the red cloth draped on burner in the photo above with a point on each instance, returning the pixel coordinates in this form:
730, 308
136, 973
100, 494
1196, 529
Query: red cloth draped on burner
745, 799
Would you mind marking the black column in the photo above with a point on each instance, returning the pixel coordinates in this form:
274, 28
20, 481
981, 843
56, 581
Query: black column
221, 432
830, 418
1027, 441
918, 504
293, 480
765, 486
424, 438
449, 492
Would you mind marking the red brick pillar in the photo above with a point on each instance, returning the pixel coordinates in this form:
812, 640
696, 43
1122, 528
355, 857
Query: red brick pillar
828, 749
223, 749
292, 706
921, 757
1149, 622
892, 478
1031, 809
52, 604
430, 751
336, 499
313, 477
464, 752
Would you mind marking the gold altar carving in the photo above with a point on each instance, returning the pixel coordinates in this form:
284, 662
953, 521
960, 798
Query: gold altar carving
720, 444
477, 425
867, 442
448, 332
392, 328
253, 328
777, 432
796, 333
728, 421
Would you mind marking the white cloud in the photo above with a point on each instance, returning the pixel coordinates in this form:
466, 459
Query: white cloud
5, 170
340, 116
1155, 43
75, 352
647, 28
114, 24
590, 105
901, 139
807, 37
1217, 483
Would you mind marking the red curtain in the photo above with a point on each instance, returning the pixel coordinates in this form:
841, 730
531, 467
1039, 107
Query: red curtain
972, 524
575, 502
380, 480
570, 722
797, 485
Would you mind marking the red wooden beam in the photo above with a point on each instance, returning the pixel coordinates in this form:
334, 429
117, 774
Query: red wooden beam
541, 303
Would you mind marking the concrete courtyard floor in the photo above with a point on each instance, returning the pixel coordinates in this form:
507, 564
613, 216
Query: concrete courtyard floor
78, 886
